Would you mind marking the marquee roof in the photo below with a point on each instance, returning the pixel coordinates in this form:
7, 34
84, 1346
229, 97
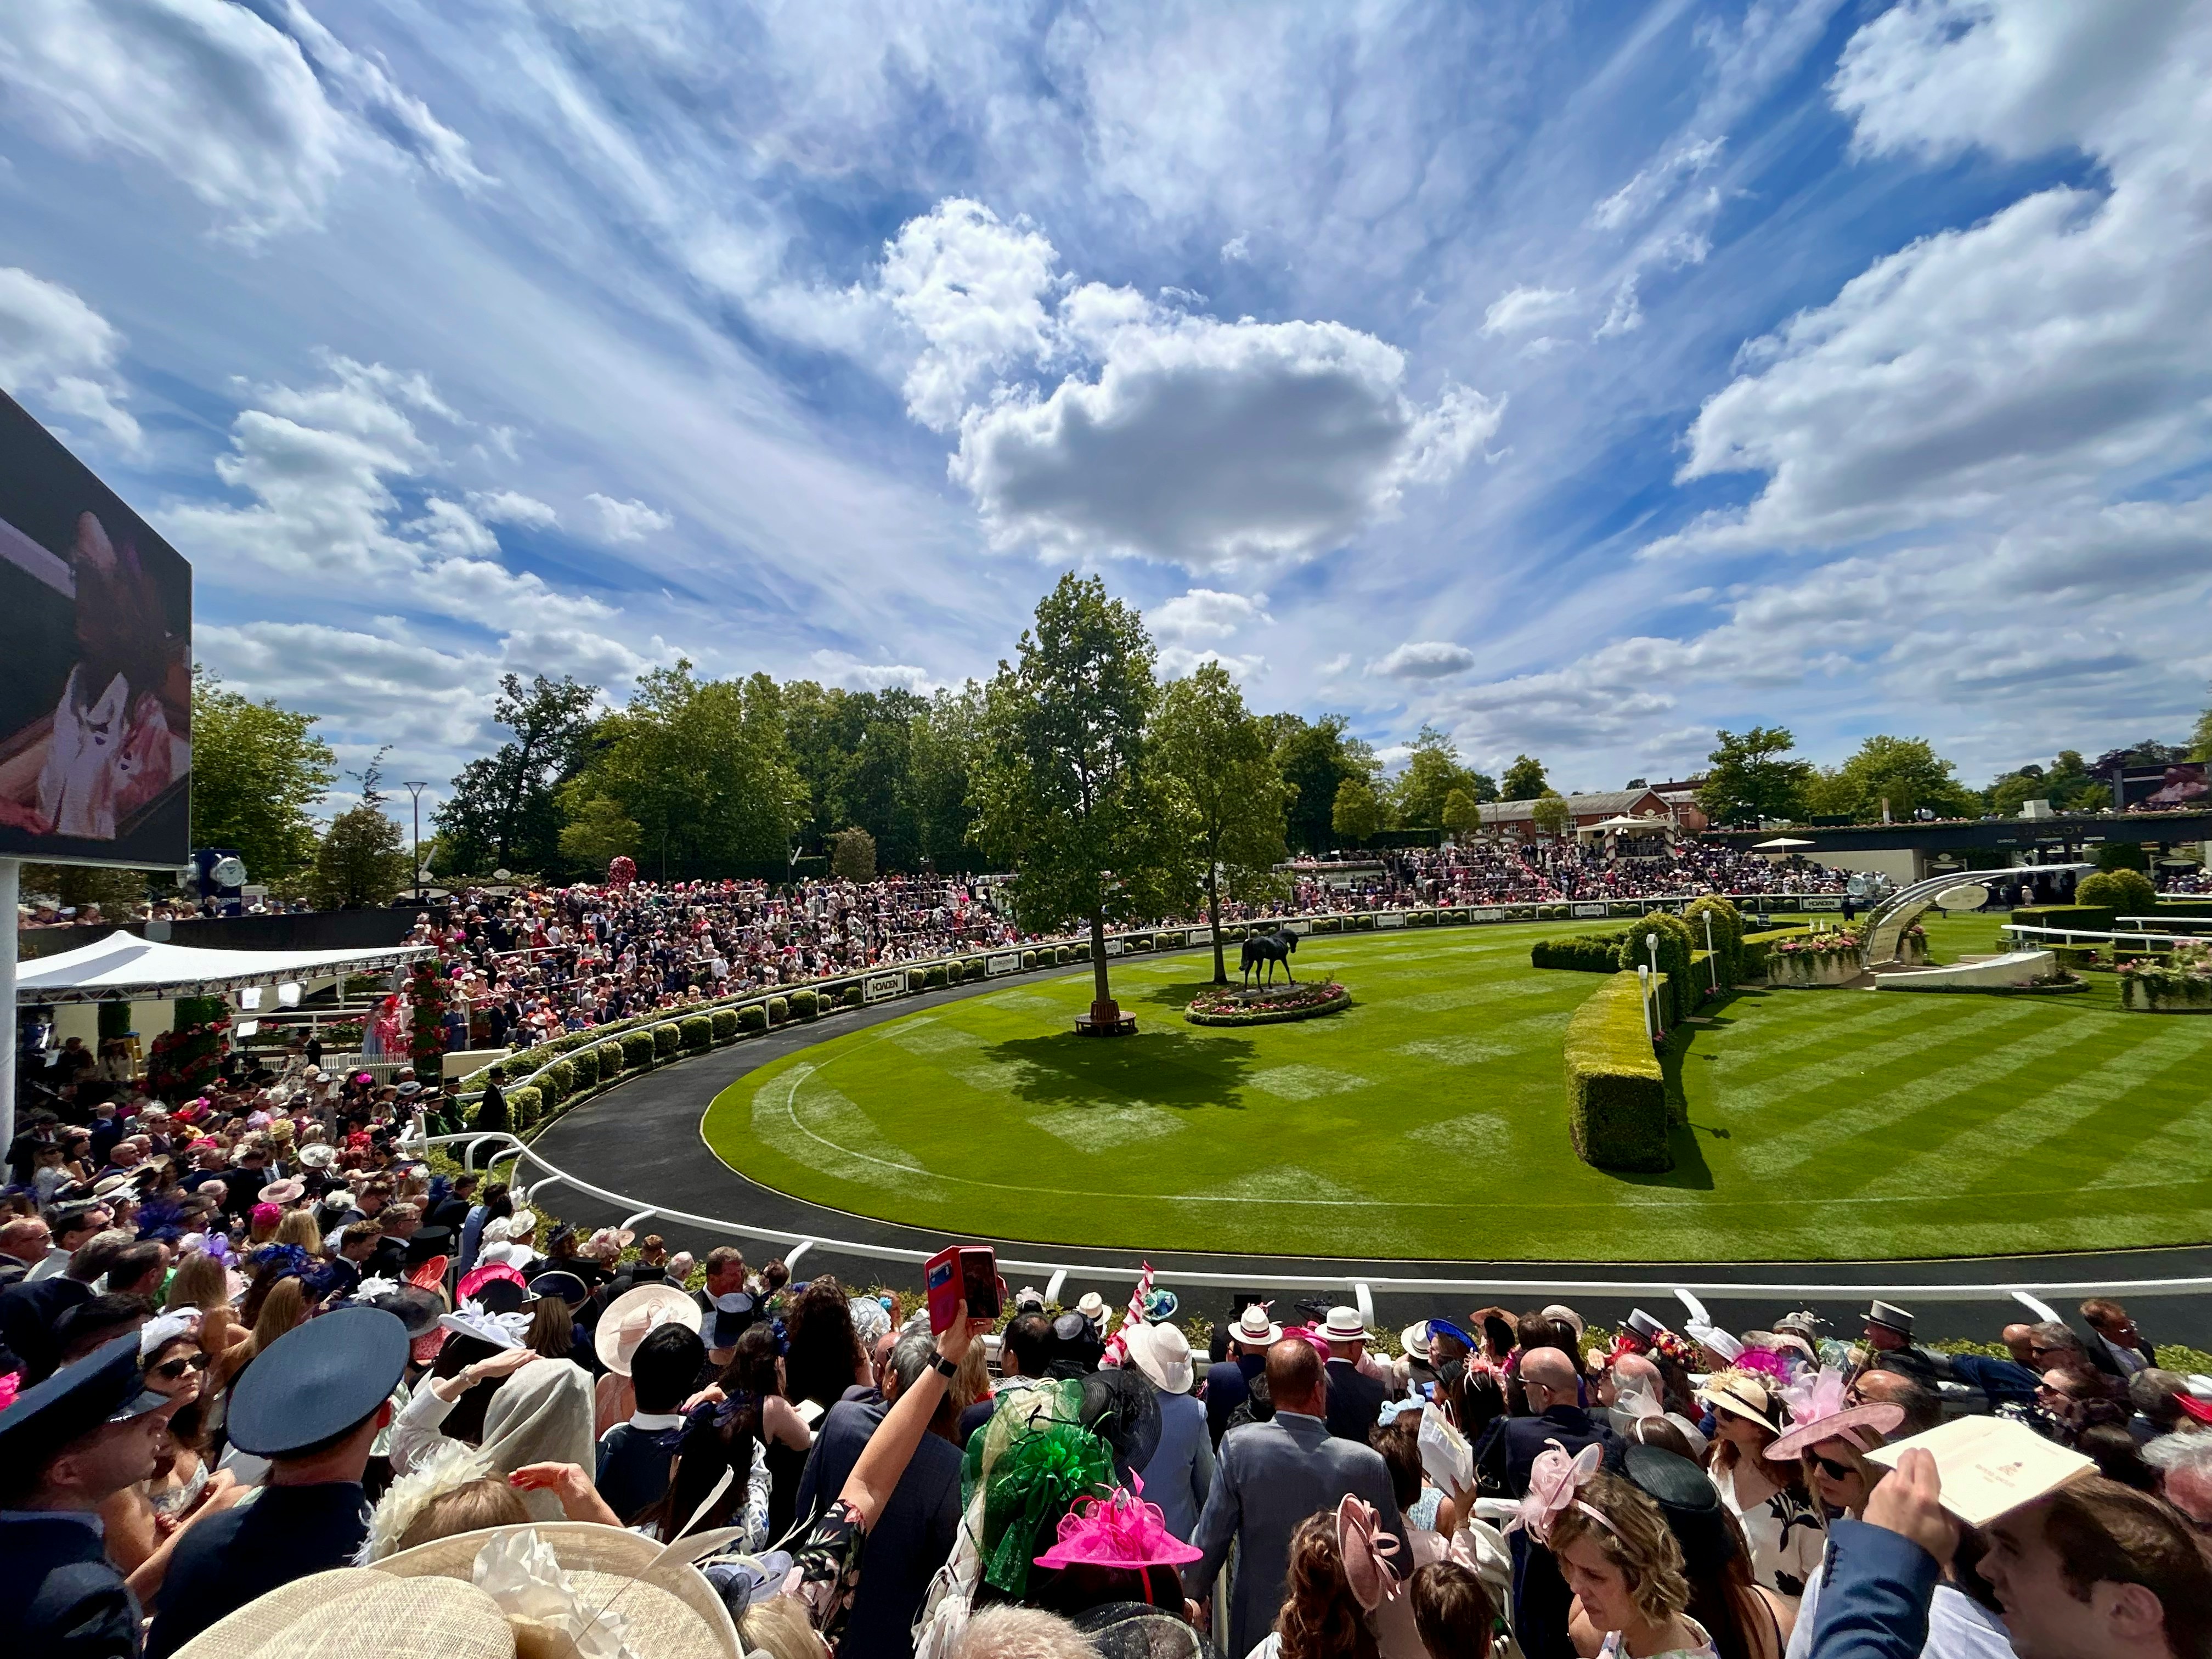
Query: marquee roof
123, 966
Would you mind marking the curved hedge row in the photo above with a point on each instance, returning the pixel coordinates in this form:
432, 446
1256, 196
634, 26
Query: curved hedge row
1616, 1093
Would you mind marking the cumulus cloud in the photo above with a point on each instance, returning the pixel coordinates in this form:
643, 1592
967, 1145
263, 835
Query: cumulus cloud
1423, 659
1177, 661
842, 668
1522, 308
1205, 613
57, 352
1237, 249
222, 98
628, 521
973, 287
511, 506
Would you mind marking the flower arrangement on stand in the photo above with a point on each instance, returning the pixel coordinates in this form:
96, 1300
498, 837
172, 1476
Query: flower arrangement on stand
426, 1036
1230, 1005
184, 1060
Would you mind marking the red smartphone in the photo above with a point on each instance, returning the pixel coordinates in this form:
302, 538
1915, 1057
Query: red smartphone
956, 1271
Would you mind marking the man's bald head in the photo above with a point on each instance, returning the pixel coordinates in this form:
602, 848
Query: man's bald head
1635, 1368
1549, 1369
1923, 1410
1296, 1381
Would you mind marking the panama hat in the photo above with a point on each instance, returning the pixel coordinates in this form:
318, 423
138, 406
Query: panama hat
1345, 1325
1162, 1353
1744, 1394
1414, 1340
1092, 1307
290, 1190
319, 1155
633, 1316
1254, 1329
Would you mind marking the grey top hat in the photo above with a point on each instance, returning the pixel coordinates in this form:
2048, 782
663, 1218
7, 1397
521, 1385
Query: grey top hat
1890, 1317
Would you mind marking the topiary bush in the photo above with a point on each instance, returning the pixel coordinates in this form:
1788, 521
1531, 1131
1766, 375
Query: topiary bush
973, 968
2124, 892
524, 1106
1616, 1092
779, 1010
933, 977
695, 1031
805, 1005
1029, 959
1727, 930
636, 1050
666, 1040
753, 1017
1588, 953
725, 1021
852, 997
612, 1059
1675, 947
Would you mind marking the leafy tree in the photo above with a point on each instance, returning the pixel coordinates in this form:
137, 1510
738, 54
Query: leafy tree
1061, 789
118, 893
363, 861
257, 770
941, 739
1357, 813
1462, 814
1523, 779
505, 810
1214, 758
598, 832
1432, 773
853, 855
701, 767
2200, 738
854, 750
1315, 760
1906, 772
1551, 813
1750, 770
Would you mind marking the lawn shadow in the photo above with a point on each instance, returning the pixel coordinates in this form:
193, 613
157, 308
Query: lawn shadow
1160, 1066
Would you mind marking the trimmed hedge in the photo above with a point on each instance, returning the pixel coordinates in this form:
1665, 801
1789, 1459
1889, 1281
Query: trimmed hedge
805, 1005
725, 1021
1616, 1094
779, 1010
1029, 959
666, 1040
1679, 1000
852, 997
524, 1106
695, 1031
2089, 918
613, 1059
1728, 933
753, 1017
636, 1050
2124, 892
973, 968
1587, 953
558, 1081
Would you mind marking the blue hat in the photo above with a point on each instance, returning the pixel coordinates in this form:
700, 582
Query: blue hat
316, 1380
106, 1386
566, 1286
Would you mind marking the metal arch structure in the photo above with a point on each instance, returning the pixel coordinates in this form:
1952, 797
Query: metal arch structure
1887, 921
498, 1147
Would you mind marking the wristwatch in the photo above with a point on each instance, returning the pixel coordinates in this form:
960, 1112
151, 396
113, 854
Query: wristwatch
944, 1367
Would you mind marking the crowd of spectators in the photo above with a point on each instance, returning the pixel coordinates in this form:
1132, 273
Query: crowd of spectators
271, 1387
1527, 873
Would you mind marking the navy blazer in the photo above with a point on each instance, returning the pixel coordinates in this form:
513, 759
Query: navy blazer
227, 1560
1503, 1463
1354, 1399
60, 1596
911, 1538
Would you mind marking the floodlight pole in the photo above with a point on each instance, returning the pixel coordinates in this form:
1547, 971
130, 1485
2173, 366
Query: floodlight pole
416, 790
11, 872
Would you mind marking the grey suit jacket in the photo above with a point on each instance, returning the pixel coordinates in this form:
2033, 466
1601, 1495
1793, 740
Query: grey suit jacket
1274, 1475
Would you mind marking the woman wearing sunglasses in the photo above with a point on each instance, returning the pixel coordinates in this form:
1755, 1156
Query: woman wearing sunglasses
144, 1521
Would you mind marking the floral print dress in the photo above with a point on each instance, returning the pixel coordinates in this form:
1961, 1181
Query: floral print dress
1783, 1531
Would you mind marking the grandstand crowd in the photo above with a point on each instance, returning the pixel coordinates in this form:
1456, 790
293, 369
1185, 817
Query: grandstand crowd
273, 1386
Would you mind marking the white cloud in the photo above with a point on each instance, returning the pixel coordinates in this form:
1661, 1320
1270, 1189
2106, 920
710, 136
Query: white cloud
973, 288
1624, 315
628, 521
57, 352
511, 506
1205, 613
1423, 659
1235, 250
1520, 308
842, 668
1653, 185
1178, 661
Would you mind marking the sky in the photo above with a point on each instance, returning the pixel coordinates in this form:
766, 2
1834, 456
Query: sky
1576, 378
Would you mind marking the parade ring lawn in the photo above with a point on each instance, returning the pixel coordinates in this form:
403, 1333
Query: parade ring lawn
1428, 1119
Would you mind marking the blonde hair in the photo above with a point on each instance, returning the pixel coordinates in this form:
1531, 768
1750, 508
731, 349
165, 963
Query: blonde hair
1012, 1632
298, 1227
200, 1282
779, 1628
475, 1507
1639, 1544
972, 1381
282, 1310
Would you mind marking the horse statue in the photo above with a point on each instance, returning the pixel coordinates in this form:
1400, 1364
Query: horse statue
1269, 948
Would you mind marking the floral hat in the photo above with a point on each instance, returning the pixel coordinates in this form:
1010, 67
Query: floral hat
1118, 1530
501, 1330
1821, 1410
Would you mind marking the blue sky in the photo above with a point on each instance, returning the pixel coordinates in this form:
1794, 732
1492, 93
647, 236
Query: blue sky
1576, 378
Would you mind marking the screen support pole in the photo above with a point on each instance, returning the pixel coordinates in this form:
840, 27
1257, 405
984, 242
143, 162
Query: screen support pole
11, 871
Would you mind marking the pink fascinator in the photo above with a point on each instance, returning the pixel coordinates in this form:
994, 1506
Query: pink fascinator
1120, 1530
1366, 1552
467, 1289
1821, 1409
1554, 1482
266, 1215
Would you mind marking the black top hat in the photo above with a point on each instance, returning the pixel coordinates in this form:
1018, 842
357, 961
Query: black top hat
427, 1242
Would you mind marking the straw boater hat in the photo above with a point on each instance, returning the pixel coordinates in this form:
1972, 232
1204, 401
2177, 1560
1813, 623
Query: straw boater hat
541, 1586
1345, 1325
1254, 1329
633, 1316
1162, 1353
1414, 1340
1742, 1394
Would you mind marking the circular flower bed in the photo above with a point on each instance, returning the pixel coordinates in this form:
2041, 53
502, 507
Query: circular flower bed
1229, 1005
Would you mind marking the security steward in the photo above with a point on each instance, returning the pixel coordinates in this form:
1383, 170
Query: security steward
66, 1447
312, 1404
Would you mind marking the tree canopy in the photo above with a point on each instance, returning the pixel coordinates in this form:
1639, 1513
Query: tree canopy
361, 862
1432, 773
1906, 773
1216, 768
1523, 779
257, 770
1316, 758
1753, 776
504, 810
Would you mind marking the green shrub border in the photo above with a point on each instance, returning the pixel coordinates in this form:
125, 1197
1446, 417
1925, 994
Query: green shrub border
1617, 1111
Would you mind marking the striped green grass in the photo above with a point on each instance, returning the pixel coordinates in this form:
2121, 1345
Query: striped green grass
1428, 1121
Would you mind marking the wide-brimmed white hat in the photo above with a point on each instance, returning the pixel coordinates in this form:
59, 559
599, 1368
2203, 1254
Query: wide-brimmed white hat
1414, 1340
1255, 1329
1744, 1394
1345, 1325
1092, 1307
633, 1316
1162, 1353
498, 1594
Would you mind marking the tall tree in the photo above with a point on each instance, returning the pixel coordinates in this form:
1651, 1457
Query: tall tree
1752, 775
2200, 738
1214, 759
363, 861
1906, 773
942, 739
1462, 814
504, 811
1315, 760
1432, 773
257, 770
1060, 788
1356, 813
1552, 814
1523, 779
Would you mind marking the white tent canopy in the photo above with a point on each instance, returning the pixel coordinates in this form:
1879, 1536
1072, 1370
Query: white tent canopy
123, 967
1653, 825
1780, 844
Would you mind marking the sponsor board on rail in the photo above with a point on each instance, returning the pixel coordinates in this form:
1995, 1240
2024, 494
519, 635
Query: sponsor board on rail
1590, 909
1390, 919
1005, 962
877, 987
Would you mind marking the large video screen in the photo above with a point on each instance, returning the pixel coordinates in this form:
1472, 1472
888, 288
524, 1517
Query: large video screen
96, 666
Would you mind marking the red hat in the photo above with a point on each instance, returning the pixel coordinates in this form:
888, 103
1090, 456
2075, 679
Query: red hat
2199, 1409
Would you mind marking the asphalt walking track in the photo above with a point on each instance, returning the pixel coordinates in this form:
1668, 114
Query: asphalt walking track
641, 1140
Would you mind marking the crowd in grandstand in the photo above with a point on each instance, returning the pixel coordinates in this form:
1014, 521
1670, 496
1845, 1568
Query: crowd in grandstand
1517, 872
271, 1386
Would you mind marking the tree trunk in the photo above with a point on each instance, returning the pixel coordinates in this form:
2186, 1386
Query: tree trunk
1213, 919
1104, 1015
